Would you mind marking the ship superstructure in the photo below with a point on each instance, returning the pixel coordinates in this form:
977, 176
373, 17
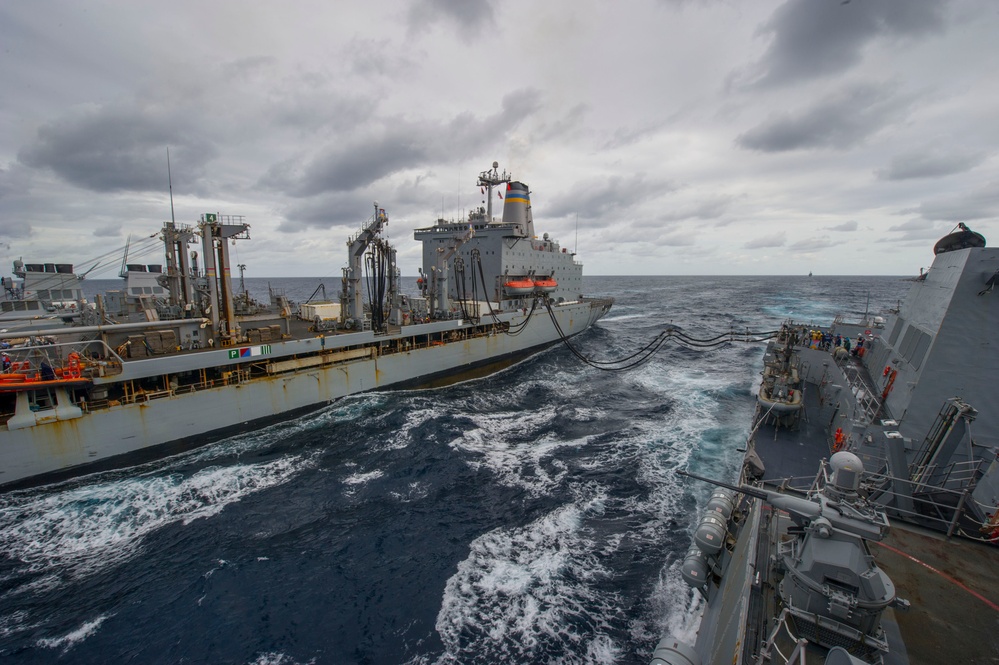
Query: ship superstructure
40, 290
202, 358
502, 260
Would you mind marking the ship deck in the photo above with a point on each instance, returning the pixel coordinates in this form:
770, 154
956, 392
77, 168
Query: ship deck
794, 450
952, 584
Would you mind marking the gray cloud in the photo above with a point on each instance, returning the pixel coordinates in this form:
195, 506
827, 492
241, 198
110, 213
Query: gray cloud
815, 38
118, 148
348, 210
839, 121
712, 207
916, 229
813, 244
626, 136
982, 203
397, 145
354, 164
607, 198
12, 181
566, 125
331, 209
249, 68
469, 16
772, 240
845, 226
312, 112
369, 57
14, 228
108, 231
674, 239
930, 164
913, 225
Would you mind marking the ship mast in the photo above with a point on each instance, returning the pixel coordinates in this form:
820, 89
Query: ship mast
490, 179
214, 234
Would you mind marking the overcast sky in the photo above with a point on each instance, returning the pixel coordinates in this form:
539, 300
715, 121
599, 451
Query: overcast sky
683, 137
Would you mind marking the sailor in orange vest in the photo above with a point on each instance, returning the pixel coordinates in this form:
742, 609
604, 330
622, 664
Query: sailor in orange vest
840, 437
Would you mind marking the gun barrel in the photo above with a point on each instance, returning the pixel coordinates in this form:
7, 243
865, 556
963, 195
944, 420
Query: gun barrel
744, 489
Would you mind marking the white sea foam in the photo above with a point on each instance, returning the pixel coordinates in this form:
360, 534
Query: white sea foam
72, 638
402, 437
222, 563
362, 478
274, 658
676, 609
505, 444
526, 589
623, 317
414, 492
680, 436
80, 529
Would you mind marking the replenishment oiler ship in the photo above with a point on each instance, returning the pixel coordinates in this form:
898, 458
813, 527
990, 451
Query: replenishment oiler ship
863, 526
178, 357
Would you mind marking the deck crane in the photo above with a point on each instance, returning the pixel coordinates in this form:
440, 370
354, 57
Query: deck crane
351, 297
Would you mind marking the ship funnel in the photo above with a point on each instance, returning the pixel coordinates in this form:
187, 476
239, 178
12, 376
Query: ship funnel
517, 207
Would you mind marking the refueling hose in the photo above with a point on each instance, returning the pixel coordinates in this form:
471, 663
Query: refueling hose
645, 354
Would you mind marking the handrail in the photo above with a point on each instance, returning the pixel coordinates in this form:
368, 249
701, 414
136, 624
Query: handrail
947, 524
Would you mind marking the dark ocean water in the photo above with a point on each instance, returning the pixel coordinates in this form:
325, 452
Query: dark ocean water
529, 517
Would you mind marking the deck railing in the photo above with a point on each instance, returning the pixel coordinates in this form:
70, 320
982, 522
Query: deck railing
935, 507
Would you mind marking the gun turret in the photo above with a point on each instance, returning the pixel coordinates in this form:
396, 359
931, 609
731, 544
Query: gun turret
828, 584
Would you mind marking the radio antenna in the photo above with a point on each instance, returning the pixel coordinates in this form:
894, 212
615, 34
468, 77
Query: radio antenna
170, 180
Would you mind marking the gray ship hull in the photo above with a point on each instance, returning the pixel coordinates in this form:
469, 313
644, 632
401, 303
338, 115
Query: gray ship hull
99, 438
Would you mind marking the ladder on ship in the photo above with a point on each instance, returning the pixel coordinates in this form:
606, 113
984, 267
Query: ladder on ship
866, 394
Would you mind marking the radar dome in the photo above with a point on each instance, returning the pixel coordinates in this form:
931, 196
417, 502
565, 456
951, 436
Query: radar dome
847, 470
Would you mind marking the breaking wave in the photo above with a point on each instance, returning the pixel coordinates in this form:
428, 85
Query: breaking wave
76, 531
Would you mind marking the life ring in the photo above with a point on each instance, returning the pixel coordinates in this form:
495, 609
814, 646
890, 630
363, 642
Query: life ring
887, 369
